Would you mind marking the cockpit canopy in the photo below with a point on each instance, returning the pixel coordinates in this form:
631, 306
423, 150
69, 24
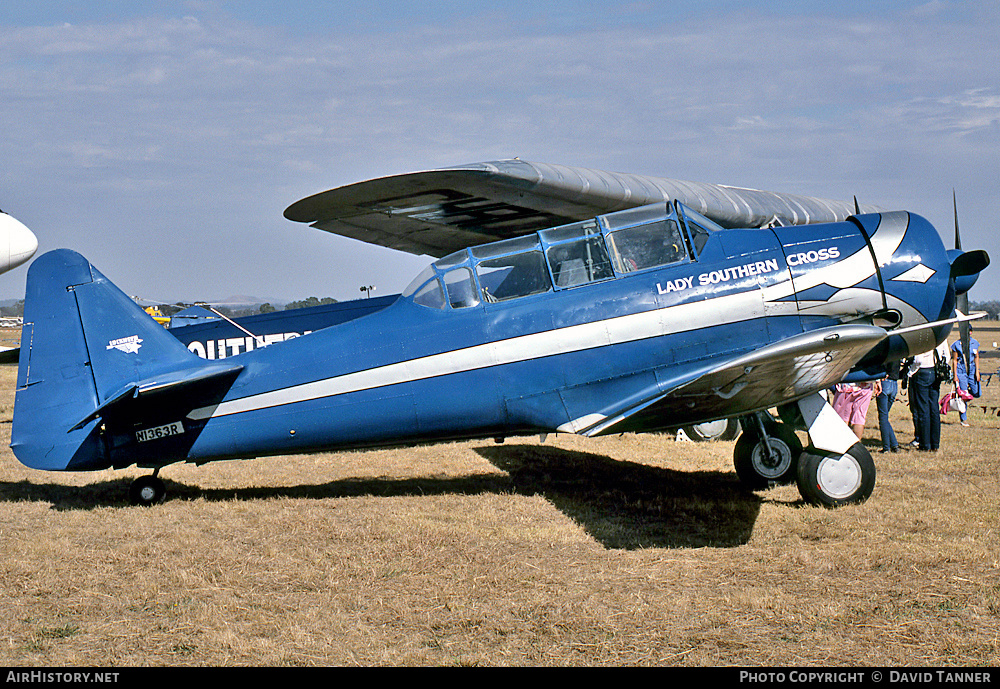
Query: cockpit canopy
604, 248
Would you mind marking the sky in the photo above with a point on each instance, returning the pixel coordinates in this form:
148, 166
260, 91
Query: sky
163, 140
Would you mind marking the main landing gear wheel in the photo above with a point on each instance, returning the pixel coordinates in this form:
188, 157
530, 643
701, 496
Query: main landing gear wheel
723, 429
761, 463
146, 491
834, 480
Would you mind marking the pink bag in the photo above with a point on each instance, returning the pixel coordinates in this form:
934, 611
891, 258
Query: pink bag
955, 401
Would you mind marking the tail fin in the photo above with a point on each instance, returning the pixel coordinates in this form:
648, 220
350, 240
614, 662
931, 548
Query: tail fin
90, 357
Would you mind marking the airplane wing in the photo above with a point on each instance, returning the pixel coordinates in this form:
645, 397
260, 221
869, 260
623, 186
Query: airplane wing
437, 212
789, 369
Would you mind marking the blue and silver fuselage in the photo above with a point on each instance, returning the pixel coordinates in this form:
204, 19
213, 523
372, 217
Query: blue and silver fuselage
536, 333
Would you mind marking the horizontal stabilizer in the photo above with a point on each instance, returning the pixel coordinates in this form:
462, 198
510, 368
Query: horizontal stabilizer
167, 384
89, 356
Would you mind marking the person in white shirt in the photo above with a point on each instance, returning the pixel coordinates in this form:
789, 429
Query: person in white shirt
926, 389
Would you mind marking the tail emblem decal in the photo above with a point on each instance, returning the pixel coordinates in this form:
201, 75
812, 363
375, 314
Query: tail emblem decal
129, 345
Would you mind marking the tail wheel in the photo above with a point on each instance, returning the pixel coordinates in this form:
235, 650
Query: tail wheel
834, 480
757, 468
146, 491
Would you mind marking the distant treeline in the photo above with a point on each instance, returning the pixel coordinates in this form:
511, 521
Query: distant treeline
311, 301
255, 309
270, 308
992, 308
12, 310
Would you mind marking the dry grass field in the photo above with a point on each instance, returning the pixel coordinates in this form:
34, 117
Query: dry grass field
629, 550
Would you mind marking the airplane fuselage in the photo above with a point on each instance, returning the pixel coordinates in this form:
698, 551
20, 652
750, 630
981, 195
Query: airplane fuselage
461, 363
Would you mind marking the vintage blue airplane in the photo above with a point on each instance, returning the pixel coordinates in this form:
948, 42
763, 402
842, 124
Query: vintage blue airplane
647, 318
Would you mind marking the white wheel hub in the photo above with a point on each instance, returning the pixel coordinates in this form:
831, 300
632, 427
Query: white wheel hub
712, 429
839, 477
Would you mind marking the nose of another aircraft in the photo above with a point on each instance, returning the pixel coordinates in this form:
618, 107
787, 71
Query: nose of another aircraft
17, 242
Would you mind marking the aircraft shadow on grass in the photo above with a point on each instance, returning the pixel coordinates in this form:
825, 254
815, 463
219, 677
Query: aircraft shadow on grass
625, 505
622, 505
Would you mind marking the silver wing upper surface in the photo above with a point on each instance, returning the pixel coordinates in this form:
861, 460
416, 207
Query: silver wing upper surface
437, 212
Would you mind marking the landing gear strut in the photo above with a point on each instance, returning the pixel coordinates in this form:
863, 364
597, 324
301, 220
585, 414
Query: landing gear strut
836, 469
147, 490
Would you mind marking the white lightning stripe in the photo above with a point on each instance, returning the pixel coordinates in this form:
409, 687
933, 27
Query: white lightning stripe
683, 317
852, 269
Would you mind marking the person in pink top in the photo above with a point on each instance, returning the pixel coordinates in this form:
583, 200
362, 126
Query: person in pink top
851, 401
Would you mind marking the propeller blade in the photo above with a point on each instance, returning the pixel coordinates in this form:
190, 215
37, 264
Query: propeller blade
954, 203
962, 300
857, 208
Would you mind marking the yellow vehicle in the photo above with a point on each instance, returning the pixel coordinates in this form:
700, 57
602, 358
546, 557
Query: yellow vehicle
157, 315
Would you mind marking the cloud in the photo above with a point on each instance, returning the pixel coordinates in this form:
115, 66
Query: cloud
175, 137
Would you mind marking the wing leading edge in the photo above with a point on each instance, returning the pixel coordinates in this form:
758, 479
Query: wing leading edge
783, 371
437, 212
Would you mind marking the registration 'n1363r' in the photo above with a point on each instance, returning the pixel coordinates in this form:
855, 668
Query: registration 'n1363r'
175, 428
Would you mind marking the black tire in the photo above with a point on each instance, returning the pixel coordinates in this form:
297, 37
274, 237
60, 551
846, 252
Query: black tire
748, 458
146, 491
723, 429
835, 480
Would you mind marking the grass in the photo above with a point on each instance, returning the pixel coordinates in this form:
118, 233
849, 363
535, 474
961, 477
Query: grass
628, 550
